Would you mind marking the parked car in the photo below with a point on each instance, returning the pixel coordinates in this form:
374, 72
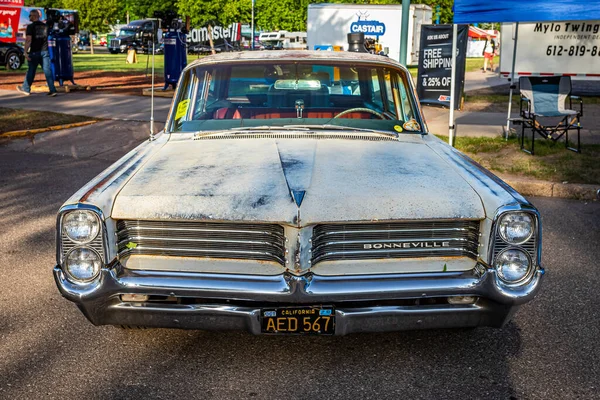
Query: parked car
11, 55
294, 194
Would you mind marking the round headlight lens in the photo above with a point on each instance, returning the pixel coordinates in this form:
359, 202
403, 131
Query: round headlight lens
512, 265
81, 226
83, 264
516, 228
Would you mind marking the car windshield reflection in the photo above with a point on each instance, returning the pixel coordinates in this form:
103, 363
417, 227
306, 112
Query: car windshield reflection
355, 95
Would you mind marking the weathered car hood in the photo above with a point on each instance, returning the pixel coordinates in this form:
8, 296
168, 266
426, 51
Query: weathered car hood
297, 181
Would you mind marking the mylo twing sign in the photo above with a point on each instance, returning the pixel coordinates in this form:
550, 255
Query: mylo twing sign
435, 64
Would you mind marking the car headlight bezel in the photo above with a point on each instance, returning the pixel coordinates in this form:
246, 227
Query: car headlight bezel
532, 247
67, 270
65, 244
96, 229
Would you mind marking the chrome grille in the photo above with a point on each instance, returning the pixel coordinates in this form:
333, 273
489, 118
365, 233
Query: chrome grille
202, 239
395, 240
115, 43
96, 244
529, 246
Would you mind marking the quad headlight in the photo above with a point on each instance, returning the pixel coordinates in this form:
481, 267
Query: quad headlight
513, 265
516, 228
82, 264
81, 226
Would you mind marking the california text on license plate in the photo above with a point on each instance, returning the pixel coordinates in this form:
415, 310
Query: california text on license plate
316, 320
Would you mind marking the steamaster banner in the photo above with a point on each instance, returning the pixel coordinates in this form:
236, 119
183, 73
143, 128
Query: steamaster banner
553, 48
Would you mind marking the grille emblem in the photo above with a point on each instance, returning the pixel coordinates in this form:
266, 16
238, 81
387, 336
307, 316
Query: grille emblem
405, 245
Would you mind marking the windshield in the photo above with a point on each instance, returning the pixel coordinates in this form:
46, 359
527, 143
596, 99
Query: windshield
127, 32
227, 96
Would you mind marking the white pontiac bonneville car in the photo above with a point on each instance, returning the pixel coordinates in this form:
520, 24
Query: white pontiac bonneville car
297, 192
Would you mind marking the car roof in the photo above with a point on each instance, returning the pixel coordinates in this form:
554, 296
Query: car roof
294, 55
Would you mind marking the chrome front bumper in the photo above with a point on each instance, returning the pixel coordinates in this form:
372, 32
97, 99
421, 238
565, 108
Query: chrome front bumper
362, 303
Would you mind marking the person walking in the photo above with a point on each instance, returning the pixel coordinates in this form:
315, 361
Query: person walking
489, 50
36, 52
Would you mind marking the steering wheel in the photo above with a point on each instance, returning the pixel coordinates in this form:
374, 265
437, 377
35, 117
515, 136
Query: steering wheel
348, 111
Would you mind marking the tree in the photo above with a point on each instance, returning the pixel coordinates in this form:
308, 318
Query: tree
446, 14
141, 9
94, 15
222, 11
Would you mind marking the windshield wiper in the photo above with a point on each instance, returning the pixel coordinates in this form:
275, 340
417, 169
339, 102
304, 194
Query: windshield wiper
305, 128
244, 129
342, 128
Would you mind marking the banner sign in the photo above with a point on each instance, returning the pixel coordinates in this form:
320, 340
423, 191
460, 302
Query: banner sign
14, 3
220, 34
553, 48
473, 11
9, 23
435, 64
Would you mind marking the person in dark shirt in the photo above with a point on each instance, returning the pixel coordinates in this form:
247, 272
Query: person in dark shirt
36, 52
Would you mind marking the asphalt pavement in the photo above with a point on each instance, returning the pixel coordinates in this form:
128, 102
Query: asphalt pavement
49, 350
91, 104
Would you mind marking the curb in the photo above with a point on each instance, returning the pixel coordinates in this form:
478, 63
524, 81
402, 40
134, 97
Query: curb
61, 89
28, 132
158, 92
578, 191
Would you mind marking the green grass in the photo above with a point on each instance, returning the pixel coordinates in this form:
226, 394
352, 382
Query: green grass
16, 120
106, 62
115, 62
472, 64
551, 162
475, 64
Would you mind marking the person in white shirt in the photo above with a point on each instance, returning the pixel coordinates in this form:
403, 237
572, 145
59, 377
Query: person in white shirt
489, 50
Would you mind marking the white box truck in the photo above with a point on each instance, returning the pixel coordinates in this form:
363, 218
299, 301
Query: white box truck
552, 48
328, 25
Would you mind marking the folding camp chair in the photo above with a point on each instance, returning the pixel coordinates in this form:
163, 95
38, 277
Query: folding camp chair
545, 98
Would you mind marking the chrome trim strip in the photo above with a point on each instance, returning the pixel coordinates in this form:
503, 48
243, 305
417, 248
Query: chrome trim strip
346, 232
197, 240
219, 251
306, 289
406, 240
177, 229
393, 251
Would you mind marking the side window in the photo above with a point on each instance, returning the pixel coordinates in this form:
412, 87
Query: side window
349, 83
391, 108
376, 95
182, 111
405, 104
211, 96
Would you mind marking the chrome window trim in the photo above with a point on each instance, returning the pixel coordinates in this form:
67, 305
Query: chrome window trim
59, 229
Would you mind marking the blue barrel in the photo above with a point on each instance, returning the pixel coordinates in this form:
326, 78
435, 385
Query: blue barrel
61, 57
175, 57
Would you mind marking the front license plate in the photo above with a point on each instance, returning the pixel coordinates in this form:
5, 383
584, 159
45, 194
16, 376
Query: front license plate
315, 320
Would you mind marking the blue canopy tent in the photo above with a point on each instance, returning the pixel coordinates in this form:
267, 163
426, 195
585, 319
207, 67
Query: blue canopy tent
475, 11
